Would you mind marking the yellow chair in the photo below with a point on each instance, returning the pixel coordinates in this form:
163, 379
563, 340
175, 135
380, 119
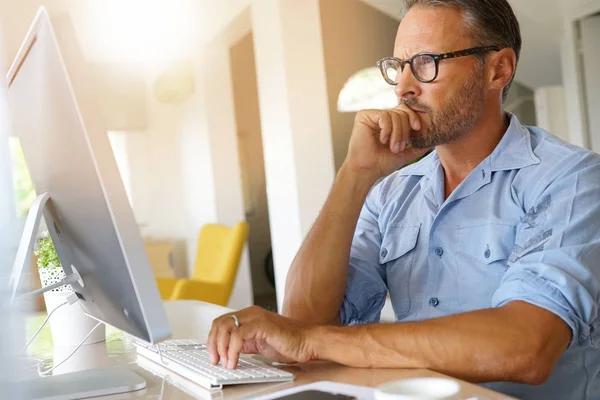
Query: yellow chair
218, 256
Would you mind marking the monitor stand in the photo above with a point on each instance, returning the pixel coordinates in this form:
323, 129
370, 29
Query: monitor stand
83, 384
23, 258
74, 385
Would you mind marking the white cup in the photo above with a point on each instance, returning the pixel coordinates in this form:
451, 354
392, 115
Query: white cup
418, 389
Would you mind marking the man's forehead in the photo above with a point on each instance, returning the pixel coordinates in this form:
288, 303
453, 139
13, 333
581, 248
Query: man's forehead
429, 29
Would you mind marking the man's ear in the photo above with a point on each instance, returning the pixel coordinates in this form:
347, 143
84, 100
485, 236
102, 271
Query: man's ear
502, 68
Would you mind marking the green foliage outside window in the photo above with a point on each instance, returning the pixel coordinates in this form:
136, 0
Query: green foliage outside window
24, 192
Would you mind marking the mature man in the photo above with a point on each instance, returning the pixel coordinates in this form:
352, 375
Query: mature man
489, 246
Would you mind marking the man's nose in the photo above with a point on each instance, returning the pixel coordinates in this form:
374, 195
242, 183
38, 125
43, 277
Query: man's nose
408, 85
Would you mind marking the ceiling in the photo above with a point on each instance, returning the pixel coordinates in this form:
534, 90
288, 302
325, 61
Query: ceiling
107, 28
541, 24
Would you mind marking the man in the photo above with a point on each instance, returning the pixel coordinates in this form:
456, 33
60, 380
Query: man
489, 246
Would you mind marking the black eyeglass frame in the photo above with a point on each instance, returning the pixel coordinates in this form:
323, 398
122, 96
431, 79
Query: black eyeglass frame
436, 57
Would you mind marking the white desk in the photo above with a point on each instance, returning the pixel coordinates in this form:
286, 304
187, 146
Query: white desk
192, 319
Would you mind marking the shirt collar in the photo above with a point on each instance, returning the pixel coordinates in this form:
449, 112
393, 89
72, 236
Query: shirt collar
513, 152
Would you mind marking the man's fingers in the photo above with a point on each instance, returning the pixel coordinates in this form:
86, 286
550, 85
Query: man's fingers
211, 344
386, 126
401, 131
223, 340
406, 127
236, 344
413, 117
396, 132
383, 136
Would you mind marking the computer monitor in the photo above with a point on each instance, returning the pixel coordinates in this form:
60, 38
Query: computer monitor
56, 117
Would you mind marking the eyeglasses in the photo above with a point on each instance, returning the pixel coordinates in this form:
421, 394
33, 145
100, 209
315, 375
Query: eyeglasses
424, 66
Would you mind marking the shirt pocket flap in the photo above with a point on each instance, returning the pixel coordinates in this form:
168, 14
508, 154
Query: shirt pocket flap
486, 243
398, 241
530, 241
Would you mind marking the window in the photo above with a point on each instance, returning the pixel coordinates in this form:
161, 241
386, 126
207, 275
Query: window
24, 192
366, 89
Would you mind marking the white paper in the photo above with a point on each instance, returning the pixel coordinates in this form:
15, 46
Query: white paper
360, 392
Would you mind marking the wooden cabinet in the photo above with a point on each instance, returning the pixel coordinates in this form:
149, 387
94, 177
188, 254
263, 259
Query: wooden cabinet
167, 257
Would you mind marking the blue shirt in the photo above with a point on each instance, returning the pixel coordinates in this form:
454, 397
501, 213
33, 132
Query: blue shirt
524, 225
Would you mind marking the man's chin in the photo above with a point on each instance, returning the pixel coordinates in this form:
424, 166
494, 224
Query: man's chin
420, 141
421, 146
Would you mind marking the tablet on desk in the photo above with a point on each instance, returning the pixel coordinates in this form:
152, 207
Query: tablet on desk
315, 395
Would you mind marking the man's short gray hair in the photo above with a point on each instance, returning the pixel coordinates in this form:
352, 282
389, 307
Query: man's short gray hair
488, 22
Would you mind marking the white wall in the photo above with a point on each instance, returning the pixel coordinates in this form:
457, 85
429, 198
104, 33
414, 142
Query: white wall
294, 121
224, 146
209, 162
159, 184
551, 111
520, 101
250, 146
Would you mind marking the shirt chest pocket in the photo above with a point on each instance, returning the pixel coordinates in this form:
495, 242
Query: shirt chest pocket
482, 257
397, 256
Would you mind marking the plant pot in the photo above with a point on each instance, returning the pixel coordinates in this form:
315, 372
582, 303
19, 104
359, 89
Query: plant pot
68, 325
87, 357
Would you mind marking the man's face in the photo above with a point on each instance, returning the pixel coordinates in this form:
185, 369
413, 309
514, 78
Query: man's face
451, 105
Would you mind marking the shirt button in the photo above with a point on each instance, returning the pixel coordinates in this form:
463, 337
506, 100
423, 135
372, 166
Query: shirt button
439, 252
384, 253
434, 302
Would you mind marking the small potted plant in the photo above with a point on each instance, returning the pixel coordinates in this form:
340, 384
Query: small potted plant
69, 325
49, 267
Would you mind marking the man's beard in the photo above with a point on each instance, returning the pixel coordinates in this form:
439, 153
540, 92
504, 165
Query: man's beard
455, 119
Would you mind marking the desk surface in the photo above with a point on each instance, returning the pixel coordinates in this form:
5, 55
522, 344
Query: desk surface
192, 319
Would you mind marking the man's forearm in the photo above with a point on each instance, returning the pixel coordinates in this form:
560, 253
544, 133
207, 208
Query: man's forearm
481, 346
317, 278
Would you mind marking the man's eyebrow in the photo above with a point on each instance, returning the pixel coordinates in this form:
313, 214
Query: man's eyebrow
412, 52
418, 50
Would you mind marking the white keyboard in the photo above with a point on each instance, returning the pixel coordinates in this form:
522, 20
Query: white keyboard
190, 359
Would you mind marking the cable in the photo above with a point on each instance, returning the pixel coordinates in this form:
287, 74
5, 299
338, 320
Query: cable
71, 299
47, 371
41, 327
160, 354
71, 278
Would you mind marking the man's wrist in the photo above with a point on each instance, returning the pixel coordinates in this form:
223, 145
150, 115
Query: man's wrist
316, 340
361, 178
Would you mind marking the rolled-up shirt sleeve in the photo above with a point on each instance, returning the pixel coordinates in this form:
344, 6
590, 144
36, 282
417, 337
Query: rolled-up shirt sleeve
555, 263
366, 287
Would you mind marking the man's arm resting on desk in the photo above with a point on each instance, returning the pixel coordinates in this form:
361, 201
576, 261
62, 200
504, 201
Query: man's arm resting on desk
518, 342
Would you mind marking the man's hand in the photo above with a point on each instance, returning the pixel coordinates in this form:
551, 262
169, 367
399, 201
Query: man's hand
378, 142
261, 332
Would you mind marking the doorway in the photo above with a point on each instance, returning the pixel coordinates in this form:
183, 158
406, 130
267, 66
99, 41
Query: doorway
250, 150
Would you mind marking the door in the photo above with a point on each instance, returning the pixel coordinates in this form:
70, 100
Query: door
590, 46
